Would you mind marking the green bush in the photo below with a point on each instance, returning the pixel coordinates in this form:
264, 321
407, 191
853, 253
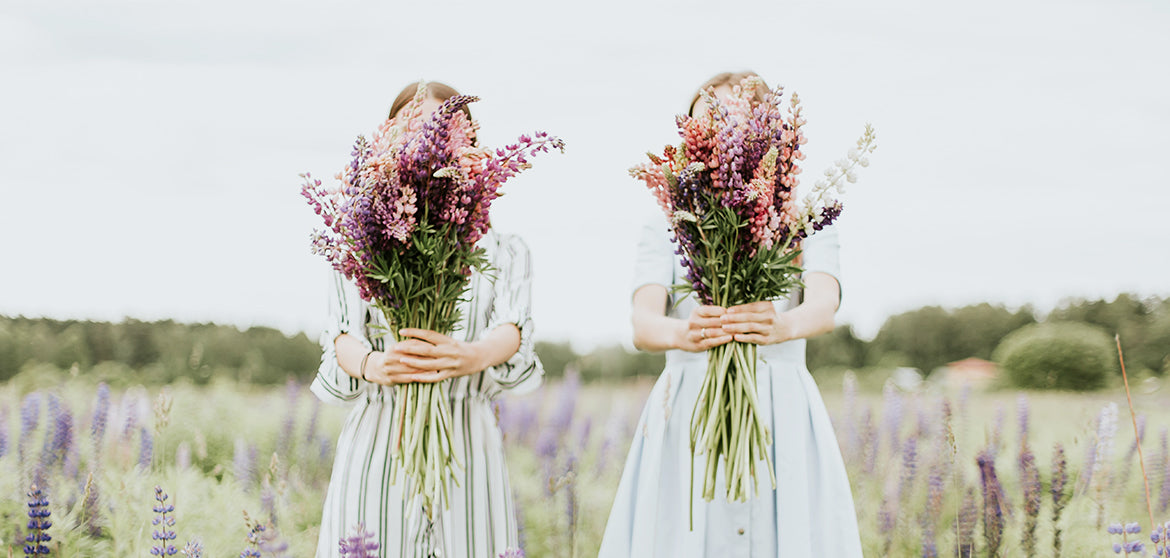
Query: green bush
1057, 355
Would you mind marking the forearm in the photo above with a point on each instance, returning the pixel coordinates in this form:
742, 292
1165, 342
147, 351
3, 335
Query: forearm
656, 333
496, 347
817, 314
350, 353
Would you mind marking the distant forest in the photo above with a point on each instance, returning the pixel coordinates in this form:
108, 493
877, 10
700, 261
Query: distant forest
159, 352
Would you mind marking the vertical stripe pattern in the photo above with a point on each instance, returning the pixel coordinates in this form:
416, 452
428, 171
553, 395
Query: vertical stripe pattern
478, 520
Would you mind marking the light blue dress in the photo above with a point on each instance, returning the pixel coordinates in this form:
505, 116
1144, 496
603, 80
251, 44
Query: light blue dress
811, 511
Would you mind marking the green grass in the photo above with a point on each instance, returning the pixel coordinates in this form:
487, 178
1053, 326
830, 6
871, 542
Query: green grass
211, 422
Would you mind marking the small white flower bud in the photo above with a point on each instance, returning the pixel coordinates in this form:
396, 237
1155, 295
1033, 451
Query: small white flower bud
864, 161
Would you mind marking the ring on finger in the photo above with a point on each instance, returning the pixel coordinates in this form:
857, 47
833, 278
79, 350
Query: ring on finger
703, 332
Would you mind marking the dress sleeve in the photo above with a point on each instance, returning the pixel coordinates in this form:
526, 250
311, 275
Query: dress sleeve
820, 254
512, 304
655, 263
346, 315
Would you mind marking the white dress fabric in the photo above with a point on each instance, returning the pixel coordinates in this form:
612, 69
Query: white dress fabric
811, 511
479, 520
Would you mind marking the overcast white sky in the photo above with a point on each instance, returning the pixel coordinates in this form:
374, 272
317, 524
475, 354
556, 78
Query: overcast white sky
149, 151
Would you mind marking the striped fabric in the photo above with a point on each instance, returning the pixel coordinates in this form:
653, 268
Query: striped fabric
479, 520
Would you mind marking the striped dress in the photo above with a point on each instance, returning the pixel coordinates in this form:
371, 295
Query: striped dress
479, 520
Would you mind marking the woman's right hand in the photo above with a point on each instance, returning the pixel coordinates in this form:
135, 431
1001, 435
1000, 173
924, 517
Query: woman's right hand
702, 330
386, 368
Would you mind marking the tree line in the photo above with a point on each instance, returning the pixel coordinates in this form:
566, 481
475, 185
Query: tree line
926, 338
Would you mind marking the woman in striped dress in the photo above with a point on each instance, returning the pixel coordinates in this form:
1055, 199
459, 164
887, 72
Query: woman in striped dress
491, 351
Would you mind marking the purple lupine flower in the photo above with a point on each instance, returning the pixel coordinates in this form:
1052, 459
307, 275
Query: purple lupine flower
892, 412
1128, 544
929, 548
256, 534
4, 429
1059, 495
285, 439
513, 553
361, 544
30, 413
993, 522
311, 429
164, 521
62, 440
268, 501
852, 439
101, 414
996, 441
966, 520
1030, 482
193, 549
38, 523
1022, 412
909, 466
145, 448
1163, 465
1127, 463
870, 442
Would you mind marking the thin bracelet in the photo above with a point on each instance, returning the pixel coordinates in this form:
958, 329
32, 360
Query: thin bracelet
362, 370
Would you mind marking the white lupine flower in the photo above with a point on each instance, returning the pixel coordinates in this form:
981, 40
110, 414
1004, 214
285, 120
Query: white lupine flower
864, 161
854, 154
829, 173
842, 163
821, 184
685, 216
851, 177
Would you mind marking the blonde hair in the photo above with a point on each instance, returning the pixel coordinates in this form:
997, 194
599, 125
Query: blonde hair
440, 91
730, 79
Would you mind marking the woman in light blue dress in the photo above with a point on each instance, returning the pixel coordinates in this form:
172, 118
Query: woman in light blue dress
811, 511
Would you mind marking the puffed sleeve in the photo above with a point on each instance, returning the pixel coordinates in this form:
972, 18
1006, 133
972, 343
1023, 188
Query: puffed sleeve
512, 304
655, 258
346, 315
820, 254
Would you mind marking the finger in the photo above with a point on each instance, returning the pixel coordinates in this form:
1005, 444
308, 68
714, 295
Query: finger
429, 364
430, 377
712, 342
415, 347
709, 311
709, 323
756, 338
744, 317
747, 327
427, 335
758, 306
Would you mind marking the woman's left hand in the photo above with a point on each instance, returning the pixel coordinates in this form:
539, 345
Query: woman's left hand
758, 322
438, 356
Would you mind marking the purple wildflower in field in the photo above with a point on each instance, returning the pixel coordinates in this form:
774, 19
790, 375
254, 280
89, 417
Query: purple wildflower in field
993, 521
570, 392
1127, 463
183, 456
311, 429
193, 549
1159, 537
1023, 410
892, 412
929, 548
1060, 496
285, 439
324, 449
965, 525
4, 430
38, 523
360, 544
513, 553
996, 442
870, 442
130, 411
145, 448
1030, 483
62, 440
1163, 465
1128, 543
164, 521
909, 468
30, 413
255, 536
268, 501
101, 415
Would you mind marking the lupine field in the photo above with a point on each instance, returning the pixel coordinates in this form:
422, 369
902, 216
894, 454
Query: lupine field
233, 470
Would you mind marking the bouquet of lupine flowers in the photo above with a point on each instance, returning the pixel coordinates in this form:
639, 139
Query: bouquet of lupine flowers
729, 192
403, 225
